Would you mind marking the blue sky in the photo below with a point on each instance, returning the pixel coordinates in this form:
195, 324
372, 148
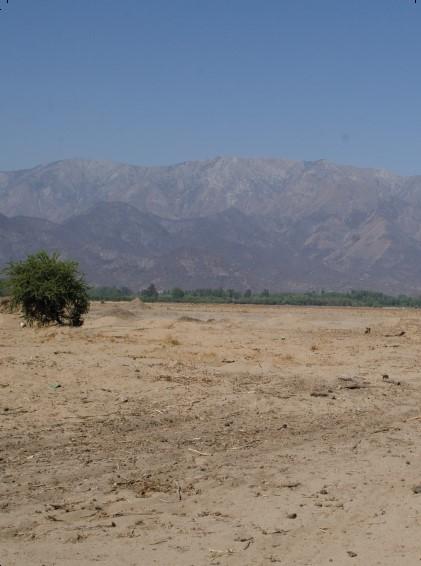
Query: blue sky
162, 81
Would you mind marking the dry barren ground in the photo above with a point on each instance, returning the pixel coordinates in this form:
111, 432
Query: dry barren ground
203, 435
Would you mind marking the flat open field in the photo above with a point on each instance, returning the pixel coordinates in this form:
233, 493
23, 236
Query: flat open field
199, 435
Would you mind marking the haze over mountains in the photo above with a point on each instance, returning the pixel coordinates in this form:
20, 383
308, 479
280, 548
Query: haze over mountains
230, 222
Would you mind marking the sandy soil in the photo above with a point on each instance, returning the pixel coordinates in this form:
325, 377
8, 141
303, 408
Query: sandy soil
202, 435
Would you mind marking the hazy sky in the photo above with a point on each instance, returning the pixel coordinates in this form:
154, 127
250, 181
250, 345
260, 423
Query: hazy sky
162, 81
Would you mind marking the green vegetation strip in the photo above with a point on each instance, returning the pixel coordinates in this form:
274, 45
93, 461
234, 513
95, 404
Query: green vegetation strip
357, 298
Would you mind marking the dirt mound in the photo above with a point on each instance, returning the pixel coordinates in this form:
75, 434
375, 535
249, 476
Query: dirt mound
118, 313
115, 312
107, 321
137, 303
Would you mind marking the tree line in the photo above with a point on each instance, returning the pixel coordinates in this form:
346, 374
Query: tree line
353, 298
47, 289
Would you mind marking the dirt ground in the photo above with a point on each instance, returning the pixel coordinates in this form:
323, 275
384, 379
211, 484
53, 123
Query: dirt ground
212, 435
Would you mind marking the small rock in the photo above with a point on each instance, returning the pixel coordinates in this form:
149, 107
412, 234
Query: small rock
292, 515
352, 554
417, 488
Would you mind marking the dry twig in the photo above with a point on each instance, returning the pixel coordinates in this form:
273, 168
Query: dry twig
198, 452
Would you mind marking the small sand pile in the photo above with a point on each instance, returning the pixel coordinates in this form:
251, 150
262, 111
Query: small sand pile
137, 304
113, 313
118, 312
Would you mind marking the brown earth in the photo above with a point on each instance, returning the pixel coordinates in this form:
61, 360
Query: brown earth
203, 435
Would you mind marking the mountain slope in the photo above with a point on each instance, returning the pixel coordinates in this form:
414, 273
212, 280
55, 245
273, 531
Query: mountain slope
225, 222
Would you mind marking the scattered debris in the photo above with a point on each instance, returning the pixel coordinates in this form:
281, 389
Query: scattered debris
275, 532
387, 379
291, 485
354, 385
213, 553
352, 382
398, 335
53, 518
198, 452
189, 319
319, 394
248, 543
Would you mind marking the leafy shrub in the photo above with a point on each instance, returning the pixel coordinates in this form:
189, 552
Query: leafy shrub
47, 290
3, 289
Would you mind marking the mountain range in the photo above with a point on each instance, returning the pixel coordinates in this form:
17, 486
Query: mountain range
231, 222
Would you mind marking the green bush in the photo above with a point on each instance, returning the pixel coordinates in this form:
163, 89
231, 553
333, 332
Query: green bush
47, 290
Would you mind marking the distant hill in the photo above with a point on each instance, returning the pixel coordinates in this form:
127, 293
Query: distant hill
231, 222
